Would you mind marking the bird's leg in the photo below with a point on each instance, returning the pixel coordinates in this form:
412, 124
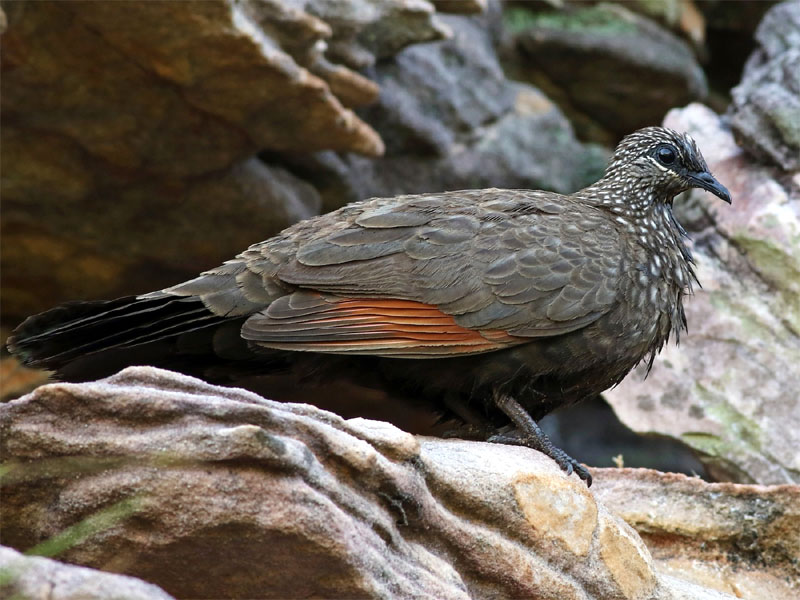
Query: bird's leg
528, 433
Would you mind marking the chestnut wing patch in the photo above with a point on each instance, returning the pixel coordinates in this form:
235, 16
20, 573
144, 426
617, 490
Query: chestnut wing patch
314, 322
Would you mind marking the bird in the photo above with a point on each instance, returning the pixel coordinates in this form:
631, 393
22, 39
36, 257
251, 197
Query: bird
494, 307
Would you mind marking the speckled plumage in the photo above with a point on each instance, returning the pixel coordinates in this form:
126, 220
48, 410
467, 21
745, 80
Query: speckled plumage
500, 303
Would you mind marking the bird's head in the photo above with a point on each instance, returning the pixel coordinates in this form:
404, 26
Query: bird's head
665, 161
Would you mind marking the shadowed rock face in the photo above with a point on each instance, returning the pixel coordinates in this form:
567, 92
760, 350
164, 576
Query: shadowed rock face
129, 131
444, 132
217, 492
610, 70
128, 135
730, 389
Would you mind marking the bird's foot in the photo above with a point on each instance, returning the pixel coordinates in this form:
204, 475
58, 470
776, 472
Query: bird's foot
528, 433
562, 459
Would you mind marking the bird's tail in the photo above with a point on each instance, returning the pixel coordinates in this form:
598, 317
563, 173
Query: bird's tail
62, 336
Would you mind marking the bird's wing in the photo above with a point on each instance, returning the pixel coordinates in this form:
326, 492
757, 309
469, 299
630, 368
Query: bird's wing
417, 276
318, 322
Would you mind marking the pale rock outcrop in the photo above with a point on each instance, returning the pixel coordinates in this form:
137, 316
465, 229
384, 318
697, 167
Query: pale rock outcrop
216, 492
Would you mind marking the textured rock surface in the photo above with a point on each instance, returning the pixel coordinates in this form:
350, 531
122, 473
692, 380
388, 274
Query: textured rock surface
739, 539
730, 389
37, 578
210, 84
231, 495
570, 56
765, 113
155, 110
18, 380
140, 236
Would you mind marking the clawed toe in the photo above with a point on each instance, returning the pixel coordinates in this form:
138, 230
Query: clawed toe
570, 465
584, 474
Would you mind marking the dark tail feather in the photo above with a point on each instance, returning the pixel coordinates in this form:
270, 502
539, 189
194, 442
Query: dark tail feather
54, 339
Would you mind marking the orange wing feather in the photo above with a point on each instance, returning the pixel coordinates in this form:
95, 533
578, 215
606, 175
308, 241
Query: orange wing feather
384, 327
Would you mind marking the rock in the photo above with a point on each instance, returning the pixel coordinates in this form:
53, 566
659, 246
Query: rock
739, 539
37, 578
461, 6
365, 31
129, 163
216, 492
123, 154
197, 106
64, 242
682, 16
428, 94
443, 132
730, 389
18, 380
611, 71
765, 114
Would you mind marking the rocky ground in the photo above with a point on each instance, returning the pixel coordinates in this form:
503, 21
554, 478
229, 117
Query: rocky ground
145, 142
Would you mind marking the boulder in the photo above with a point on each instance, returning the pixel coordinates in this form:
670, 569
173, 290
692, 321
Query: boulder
682, 16
122, 153
139, 236
130, 131
765, 113
215, 492
730, 389
610, 70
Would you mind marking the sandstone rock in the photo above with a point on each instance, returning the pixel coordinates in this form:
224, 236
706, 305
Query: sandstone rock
166, 87
610, 70
730, 389
62, 242
16, 379
231, 495
739, 539
123, 154
765, 114
365, 31
37, 578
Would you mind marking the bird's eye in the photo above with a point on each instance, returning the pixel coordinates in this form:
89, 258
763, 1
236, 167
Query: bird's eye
666, 155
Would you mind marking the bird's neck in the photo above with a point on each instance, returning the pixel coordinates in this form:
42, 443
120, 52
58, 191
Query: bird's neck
640, 208
645, 214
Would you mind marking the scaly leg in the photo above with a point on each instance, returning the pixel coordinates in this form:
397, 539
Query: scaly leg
528, 433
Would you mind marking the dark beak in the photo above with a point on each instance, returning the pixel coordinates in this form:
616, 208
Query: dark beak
706, 181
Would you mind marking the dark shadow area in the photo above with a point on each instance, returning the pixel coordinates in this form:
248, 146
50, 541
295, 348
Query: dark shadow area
591, 433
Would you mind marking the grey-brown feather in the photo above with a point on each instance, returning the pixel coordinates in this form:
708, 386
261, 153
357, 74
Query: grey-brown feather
495, 259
